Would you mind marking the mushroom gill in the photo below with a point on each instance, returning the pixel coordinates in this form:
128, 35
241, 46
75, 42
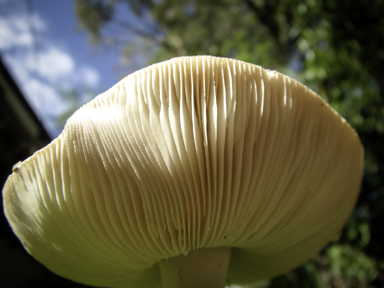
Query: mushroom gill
188, 155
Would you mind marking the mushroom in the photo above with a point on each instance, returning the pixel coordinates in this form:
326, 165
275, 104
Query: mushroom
194, 172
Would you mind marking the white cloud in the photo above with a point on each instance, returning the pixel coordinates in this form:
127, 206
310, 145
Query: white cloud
89, 76
11, 35
53, 63
15, 31
41, 95
45, 97
41, 72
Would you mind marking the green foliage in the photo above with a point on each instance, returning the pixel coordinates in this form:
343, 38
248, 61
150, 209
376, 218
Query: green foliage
94, 14
334, 47
352, 265
303, 277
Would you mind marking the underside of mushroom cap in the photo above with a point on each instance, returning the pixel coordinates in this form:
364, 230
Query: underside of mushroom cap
191, 153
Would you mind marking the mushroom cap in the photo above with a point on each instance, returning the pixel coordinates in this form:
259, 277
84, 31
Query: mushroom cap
190, 153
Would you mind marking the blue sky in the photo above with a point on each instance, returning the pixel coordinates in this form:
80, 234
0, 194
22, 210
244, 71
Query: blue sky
46, 52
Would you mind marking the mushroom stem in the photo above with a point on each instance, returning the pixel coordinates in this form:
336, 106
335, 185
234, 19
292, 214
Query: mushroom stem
201, 268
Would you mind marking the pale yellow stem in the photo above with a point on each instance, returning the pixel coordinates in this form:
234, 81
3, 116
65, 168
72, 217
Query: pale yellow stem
203, 268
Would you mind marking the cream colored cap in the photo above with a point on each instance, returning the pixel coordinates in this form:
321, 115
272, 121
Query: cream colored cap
190, 153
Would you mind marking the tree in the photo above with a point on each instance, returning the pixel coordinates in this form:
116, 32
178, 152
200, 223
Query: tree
334, 47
